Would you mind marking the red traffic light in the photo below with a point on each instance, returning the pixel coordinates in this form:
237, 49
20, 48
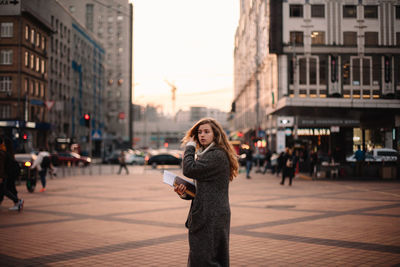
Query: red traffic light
25, 136
86, 116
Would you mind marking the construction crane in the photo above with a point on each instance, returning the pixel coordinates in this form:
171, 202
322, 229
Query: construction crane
173, 91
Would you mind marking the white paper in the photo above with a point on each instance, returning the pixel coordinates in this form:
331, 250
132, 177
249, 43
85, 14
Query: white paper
169, 178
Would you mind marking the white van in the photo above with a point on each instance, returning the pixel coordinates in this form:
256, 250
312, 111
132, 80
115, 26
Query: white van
385, 154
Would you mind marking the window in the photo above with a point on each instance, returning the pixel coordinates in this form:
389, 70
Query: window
5, 111
89, 17
397, 12
5, 84
303, 70
33, 36
31, 87
356, 71
313, 71
366, 71
376, 70
38, 39
322, 69
43, 43
296, 38
6, 29
318, 38
26, 59
397, 38
346, 69
26, 86
317, 11
37, 64
32, 61
36, 88
296, 11
6, 57
349, 11
371, 39
43, 65
371, 12
27, 32
72, 9
350, 38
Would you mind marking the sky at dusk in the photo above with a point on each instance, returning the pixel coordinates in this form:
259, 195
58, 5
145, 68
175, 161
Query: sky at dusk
186, 42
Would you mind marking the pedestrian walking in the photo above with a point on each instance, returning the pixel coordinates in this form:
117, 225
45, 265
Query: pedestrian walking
289, 165
42, 164
313, 164
122, 163
249, 161
9, 172
268, 156
279, 167
209, 216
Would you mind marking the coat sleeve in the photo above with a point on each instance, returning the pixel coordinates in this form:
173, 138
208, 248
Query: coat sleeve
205, 167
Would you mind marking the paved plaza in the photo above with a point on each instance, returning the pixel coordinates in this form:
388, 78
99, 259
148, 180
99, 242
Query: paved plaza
136, 220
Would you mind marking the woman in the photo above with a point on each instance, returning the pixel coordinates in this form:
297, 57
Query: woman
209, 216
289, 164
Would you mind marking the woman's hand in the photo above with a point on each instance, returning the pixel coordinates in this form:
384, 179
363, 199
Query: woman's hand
191, 139
180, 189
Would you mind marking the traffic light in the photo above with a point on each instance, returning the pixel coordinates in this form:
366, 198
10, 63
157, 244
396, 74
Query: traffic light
86, 118
334, 69
388, 70
24, 137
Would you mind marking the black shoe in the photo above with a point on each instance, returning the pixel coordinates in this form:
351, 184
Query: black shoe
281, 183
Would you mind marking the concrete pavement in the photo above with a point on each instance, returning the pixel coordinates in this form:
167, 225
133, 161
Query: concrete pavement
136, 220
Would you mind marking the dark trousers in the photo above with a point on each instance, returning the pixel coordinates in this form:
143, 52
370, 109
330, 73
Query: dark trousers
123, 166
287, 173
7, 188
42, 175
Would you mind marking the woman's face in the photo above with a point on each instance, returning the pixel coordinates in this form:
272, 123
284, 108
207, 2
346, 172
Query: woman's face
205, 134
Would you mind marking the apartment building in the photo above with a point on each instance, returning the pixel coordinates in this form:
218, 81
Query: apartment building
324, 74
62, 78
23, 75
111, 22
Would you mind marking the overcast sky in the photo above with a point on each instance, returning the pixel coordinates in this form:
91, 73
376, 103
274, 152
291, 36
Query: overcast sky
189, 43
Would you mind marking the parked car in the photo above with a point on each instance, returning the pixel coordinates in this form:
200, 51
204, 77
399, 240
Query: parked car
368, 157
164, 159
134, 159
71, 158
385, 154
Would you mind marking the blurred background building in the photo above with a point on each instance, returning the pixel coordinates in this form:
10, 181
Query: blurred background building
110, 21
320, 74
60, 63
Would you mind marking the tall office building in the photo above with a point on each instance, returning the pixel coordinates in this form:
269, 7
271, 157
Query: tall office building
110, 21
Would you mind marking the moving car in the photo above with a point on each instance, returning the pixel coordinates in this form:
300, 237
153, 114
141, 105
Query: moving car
164, 159
71, 158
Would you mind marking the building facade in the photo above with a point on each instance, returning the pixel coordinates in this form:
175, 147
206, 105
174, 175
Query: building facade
110, 22
23, 75
324, 74
72, 70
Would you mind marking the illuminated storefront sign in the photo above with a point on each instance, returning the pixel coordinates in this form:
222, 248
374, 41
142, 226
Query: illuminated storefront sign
313, 131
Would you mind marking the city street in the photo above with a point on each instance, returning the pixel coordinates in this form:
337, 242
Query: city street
137, 220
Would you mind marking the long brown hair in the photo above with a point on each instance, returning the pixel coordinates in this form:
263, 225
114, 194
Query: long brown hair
220, 140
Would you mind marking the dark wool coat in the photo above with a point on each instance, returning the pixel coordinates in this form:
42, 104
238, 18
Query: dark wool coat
209, 216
